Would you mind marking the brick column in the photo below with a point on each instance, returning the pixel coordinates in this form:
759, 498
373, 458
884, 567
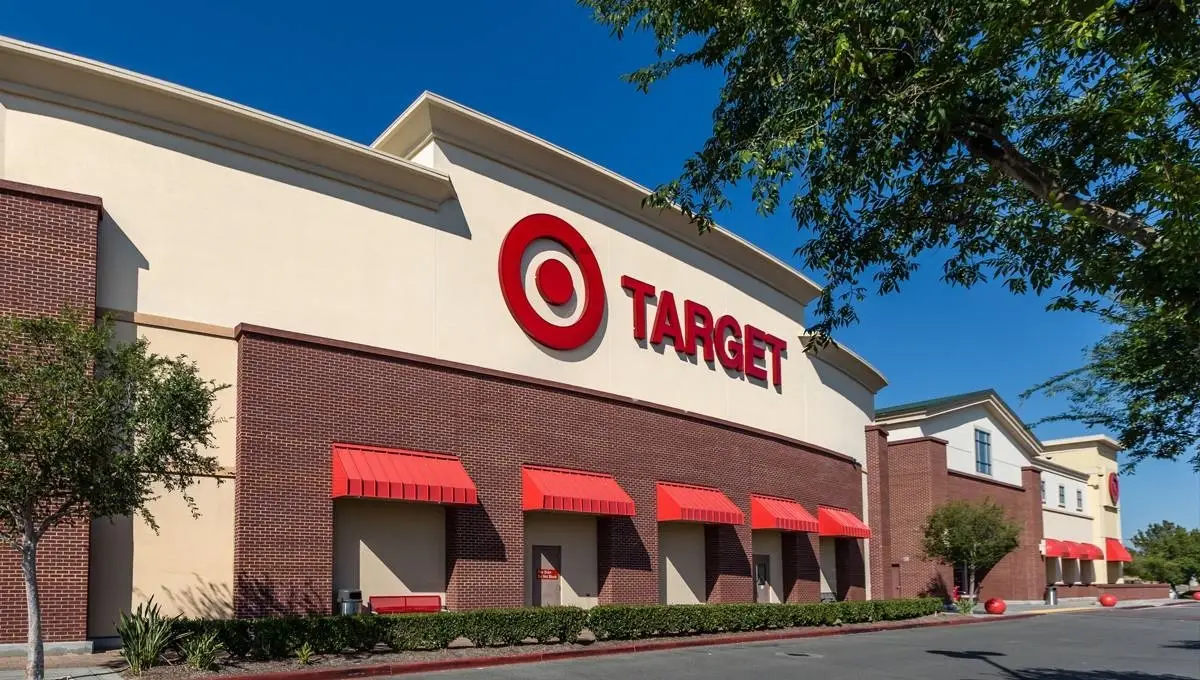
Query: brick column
627, 559
727, 551
1032, 572
48, 261
878, 512
916, 485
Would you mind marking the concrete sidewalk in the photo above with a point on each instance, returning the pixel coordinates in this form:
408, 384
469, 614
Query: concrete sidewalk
90, 672
1079, 605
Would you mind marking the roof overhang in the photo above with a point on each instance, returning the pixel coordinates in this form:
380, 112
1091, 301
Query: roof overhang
995, 406
853, 365
48, 75
1101, 441
432, 117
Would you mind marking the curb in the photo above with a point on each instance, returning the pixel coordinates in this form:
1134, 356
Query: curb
626, 648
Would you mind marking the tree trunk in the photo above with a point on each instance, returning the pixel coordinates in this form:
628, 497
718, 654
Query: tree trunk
971, 581
35, 660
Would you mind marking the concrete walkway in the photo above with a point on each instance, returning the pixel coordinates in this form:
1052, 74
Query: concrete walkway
90, 672
1079, 605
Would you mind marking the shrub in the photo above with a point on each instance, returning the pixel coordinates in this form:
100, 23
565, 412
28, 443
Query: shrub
145, 635
404, 632
232, 634
490, 627
201, 651
305, 654
632, 622
965, 605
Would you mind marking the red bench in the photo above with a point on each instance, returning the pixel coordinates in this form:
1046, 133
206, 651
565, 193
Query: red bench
405, 604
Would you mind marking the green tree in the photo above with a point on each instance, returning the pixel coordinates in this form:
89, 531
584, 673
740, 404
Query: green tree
90, 428
970, 535
1167, 553
1052, 146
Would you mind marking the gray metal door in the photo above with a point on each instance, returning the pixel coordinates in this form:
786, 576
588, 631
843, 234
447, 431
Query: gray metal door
547, 579
762, 578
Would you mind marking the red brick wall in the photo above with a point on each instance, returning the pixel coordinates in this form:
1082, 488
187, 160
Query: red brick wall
916, 480
1021, 575
879, 509
47, 261
916, 484
297, 396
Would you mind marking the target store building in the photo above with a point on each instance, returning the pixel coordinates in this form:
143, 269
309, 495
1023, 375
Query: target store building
462, 362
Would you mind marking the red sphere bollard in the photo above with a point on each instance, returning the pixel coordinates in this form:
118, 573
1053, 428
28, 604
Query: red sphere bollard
1196, 595
995, 606
1108, 600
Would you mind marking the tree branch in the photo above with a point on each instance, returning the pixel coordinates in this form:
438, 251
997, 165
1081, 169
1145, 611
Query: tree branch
1000, 153
54, 517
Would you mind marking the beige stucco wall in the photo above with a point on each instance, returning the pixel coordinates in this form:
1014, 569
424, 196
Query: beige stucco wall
389, 547
204, 234
576, 536
681, 563
1098, 460
129, 561
770, 543
828, 564
187, 566
1066, 526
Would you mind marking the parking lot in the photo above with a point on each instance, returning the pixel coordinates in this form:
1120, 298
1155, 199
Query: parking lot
1144, 644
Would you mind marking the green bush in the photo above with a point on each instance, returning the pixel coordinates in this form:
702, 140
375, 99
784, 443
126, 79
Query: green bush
632, 622
404, 632
280, 638
491, 627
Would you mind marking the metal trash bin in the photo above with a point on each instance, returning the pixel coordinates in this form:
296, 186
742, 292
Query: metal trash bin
349, 602
1052, 595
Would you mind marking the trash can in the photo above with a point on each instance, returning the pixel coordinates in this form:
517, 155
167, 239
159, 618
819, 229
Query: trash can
349, 602
1051, 595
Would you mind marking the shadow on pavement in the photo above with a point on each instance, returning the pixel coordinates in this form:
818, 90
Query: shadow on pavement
1052, 673
1183, 644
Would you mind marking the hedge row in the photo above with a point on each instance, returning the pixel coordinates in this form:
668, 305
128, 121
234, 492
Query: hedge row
278, 638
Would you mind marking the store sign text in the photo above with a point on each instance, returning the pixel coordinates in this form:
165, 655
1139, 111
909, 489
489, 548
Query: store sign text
737, 347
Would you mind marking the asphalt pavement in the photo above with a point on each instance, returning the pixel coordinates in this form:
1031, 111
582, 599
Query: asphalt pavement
1147, 644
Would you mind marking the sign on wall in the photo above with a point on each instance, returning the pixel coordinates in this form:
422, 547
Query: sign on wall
1114, 487
690, 327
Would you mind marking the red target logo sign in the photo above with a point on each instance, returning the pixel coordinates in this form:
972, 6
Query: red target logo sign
553, 282
1114, 488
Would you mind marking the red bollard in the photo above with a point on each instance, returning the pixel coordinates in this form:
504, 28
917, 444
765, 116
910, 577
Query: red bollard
1108, 600
995, 606
1196, 595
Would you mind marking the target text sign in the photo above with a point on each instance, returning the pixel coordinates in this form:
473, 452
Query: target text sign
690, 327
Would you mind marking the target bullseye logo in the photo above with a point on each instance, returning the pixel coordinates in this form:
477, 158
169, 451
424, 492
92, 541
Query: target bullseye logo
553, 282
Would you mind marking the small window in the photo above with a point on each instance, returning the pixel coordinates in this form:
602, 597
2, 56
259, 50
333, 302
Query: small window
983, 452
1079, 500
1062, 496
1043, 492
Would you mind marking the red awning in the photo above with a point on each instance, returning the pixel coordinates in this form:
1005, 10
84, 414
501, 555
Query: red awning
1072, 550
1117, 551
838, 522
573, 491
685, 503
1054, 548
1090, 552
781, 514
370, 472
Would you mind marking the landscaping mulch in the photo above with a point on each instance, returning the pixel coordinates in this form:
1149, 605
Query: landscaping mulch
461, 649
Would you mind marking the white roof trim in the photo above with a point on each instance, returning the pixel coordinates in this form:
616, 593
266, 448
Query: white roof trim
433, 116
40, 73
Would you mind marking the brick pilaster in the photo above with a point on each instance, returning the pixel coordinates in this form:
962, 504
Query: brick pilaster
48, 261
879, 512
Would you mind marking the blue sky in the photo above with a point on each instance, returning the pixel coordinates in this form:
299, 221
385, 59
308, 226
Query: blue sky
543, 66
